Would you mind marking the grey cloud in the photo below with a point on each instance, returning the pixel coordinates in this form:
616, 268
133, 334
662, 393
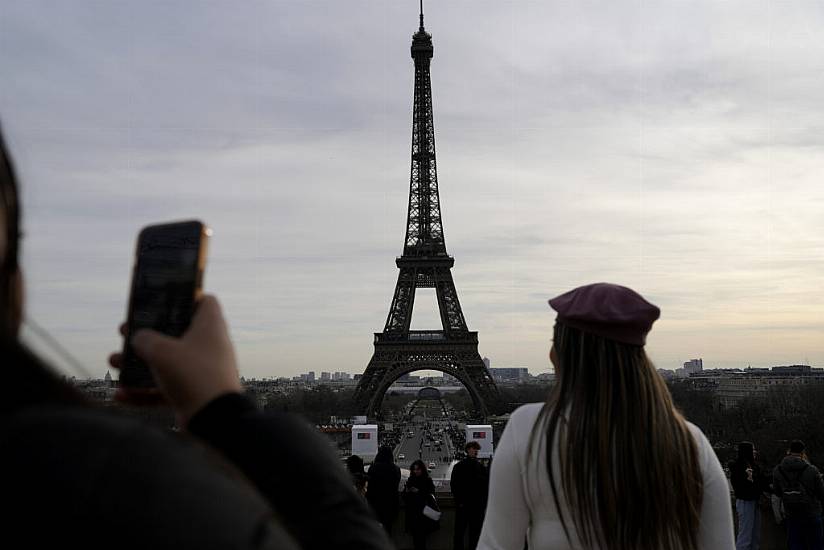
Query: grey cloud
672, 147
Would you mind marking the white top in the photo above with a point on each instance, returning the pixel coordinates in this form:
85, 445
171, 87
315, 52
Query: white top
521, 504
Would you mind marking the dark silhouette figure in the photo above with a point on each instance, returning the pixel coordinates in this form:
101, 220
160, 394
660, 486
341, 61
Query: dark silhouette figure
354, 465
470, 486
418, 492
748, 483
384, 479
801, 489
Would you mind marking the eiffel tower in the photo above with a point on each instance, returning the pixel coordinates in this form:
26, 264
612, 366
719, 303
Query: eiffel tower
425, 264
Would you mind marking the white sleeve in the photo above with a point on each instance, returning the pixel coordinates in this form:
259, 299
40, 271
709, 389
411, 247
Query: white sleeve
507, 514
716, 529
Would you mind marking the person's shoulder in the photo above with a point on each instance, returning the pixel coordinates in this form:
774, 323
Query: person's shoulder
706, 454
520, 427
98, 464
525, 415
813, 470
698, 435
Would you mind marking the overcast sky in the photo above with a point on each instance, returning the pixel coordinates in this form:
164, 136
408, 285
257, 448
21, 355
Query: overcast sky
674, 147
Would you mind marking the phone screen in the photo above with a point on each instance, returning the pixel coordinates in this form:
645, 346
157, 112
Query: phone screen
165, 284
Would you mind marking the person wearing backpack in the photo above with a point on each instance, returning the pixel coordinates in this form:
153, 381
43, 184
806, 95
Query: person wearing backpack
801, 488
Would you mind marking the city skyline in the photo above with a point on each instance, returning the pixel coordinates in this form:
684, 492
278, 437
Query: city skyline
670, 148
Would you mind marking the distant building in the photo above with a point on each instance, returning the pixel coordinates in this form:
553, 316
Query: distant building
731, 386
545, 378
794, 369
450, 380
510, 374
693, 366
487, 363
324, 376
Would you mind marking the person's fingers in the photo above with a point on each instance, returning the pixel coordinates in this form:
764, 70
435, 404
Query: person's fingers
208, 315
157, 349
116, 360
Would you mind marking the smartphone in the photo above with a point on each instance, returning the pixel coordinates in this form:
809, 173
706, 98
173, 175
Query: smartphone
167, 281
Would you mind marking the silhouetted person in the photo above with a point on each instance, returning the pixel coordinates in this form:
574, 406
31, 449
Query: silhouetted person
77, 476
418, 492
470, 485
384, 481
748, 483
801, 489
607, 461
354, 465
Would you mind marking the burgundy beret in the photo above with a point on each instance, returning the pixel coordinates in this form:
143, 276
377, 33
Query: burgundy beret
612, 311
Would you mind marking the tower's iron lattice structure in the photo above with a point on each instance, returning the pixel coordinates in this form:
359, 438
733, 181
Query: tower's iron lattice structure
425, 264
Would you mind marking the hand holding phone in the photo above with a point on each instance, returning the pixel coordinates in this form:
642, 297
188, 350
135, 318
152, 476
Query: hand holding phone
190, 371
166, 284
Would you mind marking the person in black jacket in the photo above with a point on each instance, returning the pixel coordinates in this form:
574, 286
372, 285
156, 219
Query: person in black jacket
74, 476
748, 483
800, 486
470, 487
418, 492
81, 477
384, 479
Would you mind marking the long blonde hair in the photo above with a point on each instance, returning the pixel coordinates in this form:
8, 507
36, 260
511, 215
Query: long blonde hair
628, 463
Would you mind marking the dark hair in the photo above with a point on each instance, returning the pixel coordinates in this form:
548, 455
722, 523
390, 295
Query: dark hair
797, 446
27, 380
472, 445
609, 412
746, 454
384, 455
354, 464
421, 465
9, 263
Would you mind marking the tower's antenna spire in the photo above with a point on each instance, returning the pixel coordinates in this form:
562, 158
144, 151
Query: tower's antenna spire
421, 14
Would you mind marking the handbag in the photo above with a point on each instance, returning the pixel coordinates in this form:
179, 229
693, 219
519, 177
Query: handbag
431, 510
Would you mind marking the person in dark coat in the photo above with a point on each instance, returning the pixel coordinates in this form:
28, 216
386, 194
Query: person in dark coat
470, 487
417, 493
384, 480
803, 510
77, 476
748, 483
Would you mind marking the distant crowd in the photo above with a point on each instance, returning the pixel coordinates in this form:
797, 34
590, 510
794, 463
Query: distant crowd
469, 485
793, 491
